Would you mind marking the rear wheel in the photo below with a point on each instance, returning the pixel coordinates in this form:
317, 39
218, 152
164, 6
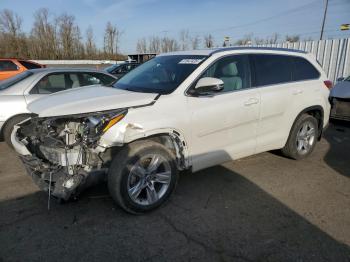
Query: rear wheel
142, 176
302, 138
7, 131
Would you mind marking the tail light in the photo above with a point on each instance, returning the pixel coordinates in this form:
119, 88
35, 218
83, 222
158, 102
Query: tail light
328, 84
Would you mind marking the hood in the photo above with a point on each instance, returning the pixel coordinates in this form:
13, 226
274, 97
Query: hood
88, 99
341, 90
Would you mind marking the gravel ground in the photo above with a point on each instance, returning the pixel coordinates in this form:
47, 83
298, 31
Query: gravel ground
260, 208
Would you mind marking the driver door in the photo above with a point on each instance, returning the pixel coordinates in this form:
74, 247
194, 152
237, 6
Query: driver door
224, 124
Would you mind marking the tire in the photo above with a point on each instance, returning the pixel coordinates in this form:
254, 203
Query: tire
7, 130
301, 142
137, 181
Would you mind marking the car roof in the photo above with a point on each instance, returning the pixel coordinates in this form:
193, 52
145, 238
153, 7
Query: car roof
209, 52
65, 69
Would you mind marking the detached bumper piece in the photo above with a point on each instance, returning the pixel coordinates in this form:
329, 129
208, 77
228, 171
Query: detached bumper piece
340, 109
63, 185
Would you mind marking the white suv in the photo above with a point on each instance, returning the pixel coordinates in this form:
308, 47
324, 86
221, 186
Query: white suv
181, 110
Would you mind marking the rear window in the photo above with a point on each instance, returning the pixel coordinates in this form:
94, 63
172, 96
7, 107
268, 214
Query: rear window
7, 65
29, 65
14, 80
272, 69
304, 70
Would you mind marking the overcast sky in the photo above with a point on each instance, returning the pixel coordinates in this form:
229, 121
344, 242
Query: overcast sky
234, 18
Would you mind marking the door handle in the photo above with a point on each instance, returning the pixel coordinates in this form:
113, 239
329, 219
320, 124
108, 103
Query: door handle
297, 92
251, 101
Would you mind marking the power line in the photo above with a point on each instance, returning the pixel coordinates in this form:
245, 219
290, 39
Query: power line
293, 10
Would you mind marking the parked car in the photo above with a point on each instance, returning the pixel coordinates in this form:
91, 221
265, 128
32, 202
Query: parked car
11, 67
340, 99
18, 91
121, 69
183, 110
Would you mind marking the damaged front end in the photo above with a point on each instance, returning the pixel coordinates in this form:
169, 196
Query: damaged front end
62, 154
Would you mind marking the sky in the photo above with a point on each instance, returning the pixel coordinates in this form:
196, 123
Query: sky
233, 18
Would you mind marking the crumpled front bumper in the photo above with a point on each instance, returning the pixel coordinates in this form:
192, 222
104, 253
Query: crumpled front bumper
51, 177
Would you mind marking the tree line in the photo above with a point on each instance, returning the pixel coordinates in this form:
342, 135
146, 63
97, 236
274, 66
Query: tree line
186, 41
55, 37
59, 37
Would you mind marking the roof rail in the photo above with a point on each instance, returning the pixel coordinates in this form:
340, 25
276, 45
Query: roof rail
223, 49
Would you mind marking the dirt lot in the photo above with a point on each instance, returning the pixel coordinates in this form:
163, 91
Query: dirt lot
261, 208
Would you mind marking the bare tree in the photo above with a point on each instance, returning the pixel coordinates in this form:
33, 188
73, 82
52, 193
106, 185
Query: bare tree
292, 38
154, 45
43, 38
12, 39
273, 39
208, 41
169, 45
259, 41
184, 39
141, 45
246, 40
90, 46
195, 42
111, 39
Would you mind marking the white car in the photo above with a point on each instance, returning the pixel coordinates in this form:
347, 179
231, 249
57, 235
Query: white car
17, 92
182, 110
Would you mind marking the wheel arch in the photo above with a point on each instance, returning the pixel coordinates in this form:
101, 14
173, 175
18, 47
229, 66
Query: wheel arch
174, 141
315, 111
8, 120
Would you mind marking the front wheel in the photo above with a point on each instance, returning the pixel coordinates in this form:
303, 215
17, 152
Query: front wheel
142, 176
302, 138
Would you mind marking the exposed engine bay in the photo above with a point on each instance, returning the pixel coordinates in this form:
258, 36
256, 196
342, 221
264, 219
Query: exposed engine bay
65, 155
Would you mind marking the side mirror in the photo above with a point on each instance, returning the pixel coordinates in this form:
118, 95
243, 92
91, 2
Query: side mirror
209, 84
340, 79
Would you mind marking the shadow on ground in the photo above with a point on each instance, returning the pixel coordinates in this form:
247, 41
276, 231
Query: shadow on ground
338, 156
215, 215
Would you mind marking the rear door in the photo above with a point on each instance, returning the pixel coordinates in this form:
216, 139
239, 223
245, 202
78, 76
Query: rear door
273, 77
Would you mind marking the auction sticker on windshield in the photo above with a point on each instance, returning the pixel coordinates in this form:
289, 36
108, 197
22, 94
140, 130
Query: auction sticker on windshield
190, 61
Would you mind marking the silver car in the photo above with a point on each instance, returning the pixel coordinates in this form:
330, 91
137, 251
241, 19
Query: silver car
18, 91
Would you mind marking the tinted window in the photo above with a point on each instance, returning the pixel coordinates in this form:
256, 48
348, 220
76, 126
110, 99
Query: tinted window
304, 70
14, 80
234, 71
52, 83
162, 74
272, 69
29, 65
7, 65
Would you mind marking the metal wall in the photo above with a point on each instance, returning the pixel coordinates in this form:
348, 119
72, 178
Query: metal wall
333, 55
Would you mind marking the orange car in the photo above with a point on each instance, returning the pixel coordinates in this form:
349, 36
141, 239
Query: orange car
10, 67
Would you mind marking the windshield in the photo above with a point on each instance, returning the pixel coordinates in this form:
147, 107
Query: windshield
162, 74
14, 80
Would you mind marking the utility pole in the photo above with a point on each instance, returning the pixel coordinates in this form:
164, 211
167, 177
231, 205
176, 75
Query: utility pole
324, 18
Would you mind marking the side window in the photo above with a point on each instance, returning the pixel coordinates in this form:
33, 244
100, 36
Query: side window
73, 80
304, 70
104, 79
234, 71
52, 83
7, 65
272, 69
88, 79
29, 65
